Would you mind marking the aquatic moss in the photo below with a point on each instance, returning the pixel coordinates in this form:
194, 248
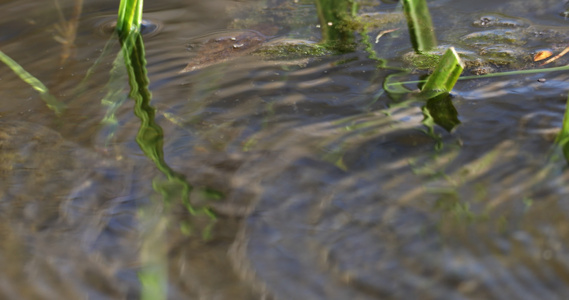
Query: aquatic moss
291, 51
482, 62
492, 37
426, 61
374, 21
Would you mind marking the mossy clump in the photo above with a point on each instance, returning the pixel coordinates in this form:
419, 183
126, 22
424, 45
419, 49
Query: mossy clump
291, 50
425, 61
483, 62
374, 21
493, 37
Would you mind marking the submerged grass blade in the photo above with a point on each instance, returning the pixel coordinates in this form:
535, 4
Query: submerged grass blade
562, 139
67, 30
420, 25
48, 98
153, 255
109, 46
115, 96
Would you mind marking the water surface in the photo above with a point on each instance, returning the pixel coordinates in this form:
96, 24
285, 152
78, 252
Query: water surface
321, 185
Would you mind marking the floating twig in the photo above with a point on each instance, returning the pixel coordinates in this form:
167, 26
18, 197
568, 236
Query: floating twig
556, 57
384, 32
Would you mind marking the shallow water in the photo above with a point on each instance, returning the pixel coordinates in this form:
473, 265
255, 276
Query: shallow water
322, 187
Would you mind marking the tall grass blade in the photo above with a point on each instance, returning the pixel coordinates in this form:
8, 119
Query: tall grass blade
48, 98
420, 25
129, 17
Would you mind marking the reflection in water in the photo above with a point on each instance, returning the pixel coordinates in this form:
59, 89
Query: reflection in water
66, 217
66, 30
387, 234
335, 17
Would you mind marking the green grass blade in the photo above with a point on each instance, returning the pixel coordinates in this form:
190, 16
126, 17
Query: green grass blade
446, 74
436, 90
420, 25
48, 98
129, 16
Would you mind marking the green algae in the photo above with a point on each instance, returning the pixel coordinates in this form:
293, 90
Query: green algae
374, 21
291, 50
425, 61
497, 36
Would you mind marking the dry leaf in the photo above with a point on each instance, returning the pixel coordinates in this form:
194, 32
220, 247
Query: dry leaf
542, 55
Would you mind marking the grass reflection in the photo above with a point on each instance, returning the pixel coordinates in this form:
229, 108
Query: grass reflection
335, 17
150, 138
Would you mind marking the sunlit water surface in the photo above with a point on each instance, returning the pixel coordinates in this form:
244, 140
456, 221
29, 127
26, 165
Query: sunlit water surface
325, 189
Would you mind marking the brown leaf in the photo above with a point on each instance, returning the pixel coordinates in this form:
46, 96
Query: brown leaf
542, 55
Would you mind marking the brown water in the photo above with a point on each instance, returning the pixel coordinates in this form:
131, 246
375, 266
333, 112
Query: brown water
329, 191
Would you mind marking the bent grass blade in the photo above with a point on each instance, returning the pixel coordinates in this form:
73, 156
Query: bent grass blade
446, 74
439, 108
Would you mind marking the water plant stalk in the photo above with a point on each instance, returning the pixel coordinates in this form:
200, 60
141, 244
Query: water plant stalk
129, 16
420, 25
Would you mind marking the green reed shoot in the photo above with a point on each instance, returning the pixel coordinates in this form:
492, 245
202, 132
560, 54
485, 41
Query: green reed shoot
420, 25
130, 16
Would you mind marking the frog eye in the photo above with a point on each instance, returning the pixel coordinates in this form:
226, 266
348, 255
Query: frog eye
540, 55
